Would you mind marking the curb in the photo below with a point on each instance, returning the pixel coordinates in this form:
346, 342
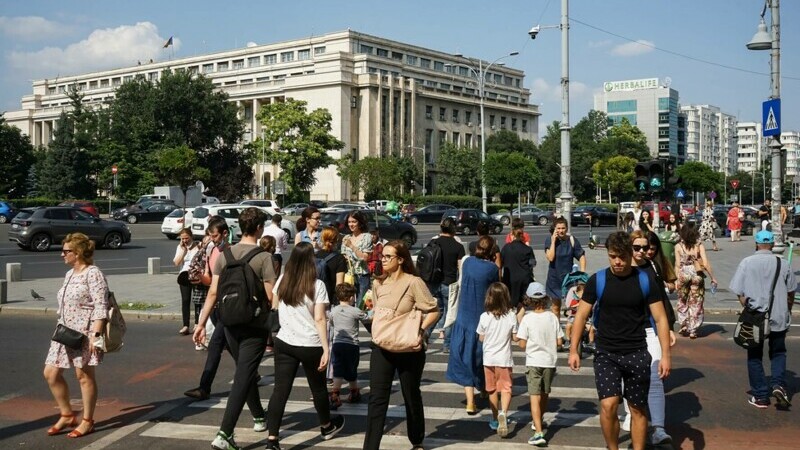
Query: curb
127, 313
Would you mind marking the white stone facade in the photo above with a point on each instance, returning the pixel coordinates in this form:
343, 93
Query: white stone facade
386, 97
711, 137
751, 147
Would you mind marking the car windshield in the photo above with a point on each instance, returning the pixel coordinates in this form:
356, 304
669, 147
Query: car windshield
200, 213
23, 214
176, 213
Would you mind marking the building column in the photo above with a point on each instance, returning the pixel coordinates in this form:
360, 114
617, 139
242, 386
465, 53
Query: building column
254, 121
402, 97
390, 110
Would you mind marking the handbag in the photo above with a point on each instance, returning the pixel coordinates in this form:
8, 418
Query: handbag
69, 337
349, 276
453, 298
398, 334
115, 327
183, 278
753, 325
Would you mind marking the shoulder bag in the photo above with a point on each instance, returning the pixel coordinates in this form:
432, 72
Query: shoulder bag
396, 333
753, 325
64, 334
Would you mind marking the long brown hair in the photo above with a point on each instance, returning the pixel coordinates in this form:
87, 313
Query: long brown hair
498, 299
300, 276
401, 251
665, 268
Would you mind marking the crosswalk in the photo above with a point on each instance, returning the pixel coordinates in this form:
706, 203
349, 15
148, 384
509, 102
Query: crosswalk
572, 418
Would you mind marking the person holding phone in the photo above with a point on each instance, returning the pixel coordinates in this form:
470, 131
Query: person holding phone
311, 233
561, 249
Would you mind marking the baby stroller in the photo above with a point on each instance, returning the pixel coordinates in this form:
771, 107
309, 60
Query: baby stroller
570, 303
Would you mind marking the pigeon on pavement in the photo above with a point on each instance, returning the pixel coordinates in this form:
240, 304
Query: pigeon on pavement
36, 295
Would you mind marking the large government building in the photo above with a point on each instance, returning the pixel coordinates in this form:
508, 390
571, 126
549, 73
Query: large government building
386, 97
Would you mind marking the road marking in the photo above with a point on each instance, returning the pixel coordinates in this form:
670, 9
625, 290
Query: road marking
560, 419
291, 438
11, 396
126, 430
442, 367
734, 324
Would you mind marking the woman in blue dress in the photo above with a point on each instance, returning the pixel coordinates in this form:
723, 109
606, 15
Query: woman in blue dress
465, 366
561, 250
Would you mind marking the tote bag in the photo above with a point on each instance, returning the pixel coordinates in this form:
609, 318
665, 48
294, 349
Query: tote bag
396, 333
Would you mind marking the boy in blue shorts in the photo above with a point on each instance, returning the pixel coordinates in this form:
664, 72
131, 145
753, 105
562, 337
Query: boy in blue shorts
344, 320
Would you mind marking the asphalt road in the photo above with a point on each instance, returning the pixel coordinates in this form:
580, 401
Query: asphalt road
148, 241
141, 406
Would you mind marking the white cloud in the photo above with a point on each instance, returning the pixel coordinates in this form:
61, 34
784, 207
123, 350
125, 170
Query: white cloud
32, 28
599, 44
103, 49
543, 91
637, 48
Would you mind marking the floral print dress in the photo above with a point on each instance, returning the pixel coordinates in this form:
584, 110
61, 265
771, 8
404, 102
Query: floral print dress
708, 225
691, 291
81, 300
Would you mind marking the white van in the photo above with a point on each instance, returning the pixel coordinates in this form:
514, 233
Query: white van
379, 204
624, 207
230, 212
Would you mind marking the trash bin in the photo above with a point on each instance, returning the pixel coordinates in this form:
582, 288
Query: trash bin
668, 241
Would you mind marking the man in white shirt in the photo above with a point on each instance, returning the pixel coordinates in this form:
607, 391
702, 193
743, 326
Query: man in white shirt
281, 239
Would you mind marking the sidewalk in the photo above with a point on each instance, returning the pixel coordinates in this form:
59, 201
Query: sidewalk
163, 288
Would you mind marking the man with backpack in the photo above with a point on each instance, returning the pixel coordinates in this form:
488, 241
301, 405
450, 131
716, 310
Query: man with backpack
241, 286
753, 274
438, 265
622, 362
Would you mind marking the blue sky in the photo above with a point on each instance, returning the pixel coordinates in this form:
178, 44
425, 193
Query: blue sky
44, 39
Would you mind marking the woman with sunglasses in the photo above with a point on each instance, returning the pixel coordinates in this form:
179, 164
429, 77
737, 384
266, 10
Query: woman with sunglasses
83, 307
310, 218
399, 288
646, 251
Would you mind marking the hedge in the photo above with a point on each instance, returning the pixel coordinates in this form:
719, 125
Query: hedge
470, 201
100, 203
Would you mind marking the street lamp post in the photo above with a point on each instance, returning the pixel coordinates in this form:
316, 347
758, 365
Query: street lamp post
480, 75
424, 164
772, 41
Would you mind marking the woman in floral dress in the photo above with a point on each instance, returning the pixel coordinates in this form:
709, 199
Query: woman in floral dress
708, 226
357, 247
691, 267
82, 306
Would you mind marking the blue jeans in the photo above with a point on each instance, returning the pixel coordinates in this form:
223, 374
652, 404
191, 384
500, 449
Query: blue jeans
363, 284
441, 292
755, 367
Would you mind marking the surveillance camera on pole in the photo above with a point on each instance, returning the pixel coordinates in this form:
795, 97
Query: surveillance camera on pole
534, 31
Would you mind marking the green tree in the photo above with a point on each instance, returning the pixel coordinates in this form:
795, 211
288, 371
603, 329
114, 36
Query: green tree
625, 139
509, 141
699, 177
585, 141
511, 173
16, 161
374, 176
547, 159
300, 142
178, 166
615, 173
458, 170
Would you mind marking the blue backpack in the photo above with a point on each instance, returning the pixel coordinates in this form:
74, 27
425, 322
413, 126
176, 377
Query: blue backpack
600, 278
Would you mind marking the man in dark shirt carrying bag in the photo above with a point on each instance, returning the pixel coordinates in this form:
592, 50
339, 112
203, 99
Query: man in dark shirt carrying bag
622, 363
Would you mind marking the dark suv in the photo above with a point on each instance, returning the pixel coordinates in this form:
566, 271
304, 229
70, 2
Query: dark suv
388, 228
39, 228
467, 220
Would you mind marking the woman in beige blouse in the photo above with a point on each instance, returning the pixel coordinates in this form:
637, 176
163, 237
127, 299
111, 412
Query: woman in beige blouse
399, 288
82, 306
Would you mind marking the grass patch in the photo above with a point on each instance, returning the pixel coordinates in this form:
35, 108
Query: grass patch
139, 306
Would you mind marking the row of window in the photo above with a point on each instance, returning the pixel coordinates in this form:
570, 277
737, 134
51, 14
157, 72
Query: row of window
427, 63
455, 138
455, 117
448, 87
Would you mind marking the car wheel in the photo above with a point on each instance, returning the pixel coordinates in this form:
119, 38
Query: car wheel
596, 222
288, 234
414, 220
466, 231
505, 220
40, 242
113, 240
498, 229
3, 219
543, 221
171, 237
132, 219
408, 239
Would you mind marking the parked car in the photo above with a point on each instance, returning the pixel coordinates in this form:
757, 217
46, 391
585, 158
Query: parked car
176, 221
270, 206
39, 228
388, 228
344, 206
146, 212
625, 207
141, 204
467, 220
428, 214
89, 207
7, 211
319, 204
294, 209
380, 205
721, 216
599, 215
530, 214
230, 212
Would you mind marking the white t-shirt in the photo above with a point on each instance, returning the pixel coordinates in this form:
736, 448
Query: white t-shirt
541, 330
187, 258
497, 333
281, 240
297, 323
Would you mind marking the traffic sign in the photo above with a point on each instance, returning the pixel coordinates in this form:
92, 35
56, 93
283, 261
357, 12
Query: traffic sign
279, 187
680, 193
735, 184
114, 169
734, 198
771, 117
712, 195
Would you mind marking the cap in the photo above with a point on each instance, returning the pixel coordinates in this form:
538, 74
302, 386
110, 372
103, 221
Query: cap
536, 290
765, 237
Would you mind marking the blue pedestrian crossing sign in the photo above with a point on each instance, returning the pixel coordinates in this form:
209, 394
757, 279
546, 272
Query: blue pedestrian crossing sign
679, 193
771, 117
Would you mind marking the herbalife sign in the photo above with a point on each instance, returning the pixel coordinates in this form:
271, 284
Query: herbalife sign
631, 85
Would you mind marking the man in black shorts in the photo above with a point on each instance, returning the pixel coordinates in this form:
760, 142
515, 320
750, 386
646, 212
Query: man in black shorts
622, 363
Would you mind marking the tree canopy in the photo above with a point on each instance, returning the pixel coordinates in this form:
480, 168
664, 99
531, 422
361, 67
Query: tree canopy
458, 170
615, 173
16, 161
699, 177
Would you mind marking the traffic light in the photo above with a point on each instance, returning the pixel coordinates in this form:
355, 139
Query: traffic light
642, 177
669, 173
656, 175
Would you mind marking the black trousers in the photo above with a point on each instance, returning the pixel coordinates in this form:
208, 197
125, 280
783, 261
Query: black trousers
186, 300
287, 360
216, 345
247, 346
383, 365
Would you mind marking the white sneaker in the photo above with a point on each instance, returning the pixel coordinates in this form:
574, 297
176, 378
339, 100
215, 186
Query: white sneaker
259, 425
626, 424
659, 436
199, 347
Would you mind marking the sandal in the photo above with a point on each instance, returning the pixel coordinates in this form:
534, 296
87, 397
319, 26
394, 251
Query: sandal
54, 430
76, 434
692, 336
472, 409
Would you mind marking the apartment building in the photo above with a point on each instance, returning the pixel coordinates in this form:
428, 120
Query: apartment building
386, 97
711, 137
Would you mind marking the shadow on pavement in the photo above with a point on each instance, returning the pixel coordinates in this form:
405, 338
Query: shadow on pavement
684, 436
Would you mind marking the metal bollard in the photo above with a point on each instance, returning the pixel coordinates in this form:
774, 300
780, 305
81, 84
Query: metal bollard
3, 292
14, 272
153, 266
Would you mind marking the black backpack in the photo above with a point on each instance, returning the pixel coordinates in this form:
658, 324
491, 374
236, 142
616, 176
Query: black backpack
429, 262
321, 263
241, 297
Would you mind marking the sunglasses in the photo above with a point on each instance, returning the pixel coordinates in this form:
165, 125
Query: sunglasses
640, 248
67, 251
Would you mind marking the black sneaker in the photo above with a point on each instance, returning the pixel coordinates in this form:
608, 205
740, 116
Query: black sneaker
761, 404
197, 393
336, 425
781, 396
272, 445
